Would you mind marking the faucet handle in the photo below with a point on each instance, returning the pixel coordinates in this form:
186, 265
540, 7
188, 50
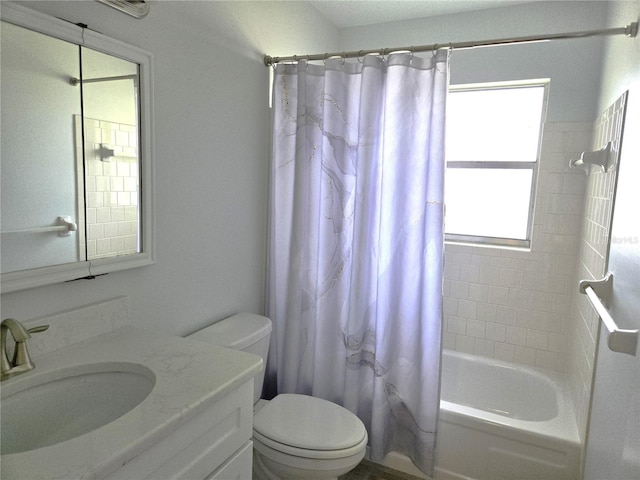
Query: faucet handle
21, 358
38, 329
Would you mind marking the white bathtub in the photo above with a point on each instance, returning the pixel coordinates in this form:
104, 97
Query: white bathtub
500, 421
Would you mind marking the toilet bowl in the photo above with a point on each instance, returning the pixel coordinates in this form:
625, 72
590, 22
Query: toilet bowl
294, 436
297, 436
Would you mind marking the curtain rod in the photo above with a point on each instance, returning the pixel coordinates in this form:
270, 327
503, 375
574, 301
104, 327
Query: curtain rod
630, 30
76, 81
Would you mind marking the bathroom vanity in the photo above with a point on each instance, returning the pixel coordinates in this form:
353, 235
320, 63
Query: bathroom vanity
171, 408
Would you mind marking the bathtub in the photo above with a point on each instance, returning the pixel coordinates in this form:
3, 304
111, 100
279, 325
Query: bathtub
500, 421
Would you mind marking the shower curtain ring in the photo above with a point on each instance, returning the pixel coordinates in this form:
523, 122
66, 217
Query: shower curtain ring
360, 54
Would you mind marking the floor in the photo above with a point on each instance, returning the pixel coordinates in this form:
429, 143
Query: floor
371, 471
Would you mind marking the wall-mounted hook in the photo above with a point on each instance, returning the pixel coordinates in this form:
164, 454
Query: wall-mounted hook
105, 153
604, 158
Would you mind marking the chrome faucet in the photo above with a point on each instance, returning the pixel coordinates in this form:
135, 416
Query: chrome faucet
21, 360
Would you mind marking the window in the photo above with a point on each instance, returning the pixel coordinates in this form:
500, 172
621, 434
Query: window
493, 145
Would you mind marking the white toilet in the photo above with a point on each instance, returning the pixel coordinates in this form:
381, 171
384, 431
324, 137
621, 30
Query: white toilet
294, 436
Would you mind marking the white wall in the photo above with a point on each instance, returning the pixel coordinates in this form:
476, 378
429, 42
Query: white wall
572, 65
621, 59
613, 438
212, 154
620, 72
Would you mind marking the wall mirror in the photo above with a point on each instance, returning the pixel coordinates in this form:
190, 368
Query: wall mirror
76, 152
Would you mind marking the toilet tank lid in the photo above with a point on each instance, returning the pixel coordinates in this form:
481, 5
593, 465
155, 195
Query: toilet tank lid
237, 332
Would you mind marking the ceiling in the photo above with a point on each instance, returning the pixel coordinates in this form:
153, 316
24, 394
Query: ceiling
352, 13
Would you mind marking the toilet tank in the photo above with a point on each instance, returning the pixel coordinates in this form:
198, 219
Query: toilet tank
244, 331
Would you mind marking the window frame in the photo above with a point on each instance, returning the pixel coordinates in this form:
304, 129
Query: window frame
479, 240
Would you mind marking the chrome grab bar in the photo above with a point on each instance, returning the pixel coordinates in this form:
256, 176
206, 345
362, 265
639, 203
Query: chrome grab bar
599, 294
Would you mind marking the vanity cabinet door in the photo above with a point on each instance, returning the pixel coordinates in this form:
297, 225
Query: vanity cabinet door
200, 446
239, 467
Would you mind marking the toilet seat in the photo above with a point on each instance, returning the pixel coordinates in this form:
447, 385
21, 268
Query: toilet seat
309, 427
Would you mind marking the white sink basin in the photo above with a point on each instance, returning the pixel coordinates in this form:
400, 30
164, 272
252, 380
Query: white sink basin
56, 406
75, 416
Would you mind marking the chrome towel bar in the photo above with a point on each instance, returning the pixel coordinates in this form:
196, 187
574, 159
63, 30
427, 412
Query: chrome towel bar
599, 294
64, 228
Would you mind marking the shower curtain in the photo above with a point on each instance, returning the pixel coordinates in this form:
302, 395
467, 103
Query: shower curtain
354, 284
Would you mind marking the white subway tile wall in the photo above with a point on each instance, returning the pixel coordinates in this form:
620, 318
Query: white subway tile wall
512, 304
591, 265
112, 189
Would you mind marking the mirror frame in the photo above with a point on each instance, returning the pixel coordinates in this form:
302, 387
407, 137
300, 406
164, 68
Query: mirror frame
60, 29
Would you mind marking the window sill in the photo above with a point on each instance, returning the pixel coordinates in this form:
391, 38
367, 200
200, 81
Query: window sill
500, 244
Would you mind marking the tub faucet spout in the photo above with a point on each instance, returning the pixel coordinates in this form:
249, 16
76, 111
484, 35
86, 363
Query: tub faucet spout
21, 359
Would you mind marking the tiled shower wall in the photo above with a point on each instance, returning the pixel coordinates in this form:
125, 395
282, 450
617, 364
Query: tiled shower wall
112, 188
592, 264
512, 304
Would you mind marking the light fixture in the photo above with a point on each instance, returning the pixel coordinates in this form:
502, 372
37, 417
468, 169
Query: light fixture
135, 8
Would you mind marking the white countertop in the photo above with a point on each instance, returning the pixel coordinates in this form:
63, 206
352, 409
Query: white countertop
190, 376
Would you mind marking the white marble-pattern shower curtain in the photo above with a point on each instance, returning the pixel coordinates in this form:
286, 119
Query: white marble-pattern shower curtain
356, 242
